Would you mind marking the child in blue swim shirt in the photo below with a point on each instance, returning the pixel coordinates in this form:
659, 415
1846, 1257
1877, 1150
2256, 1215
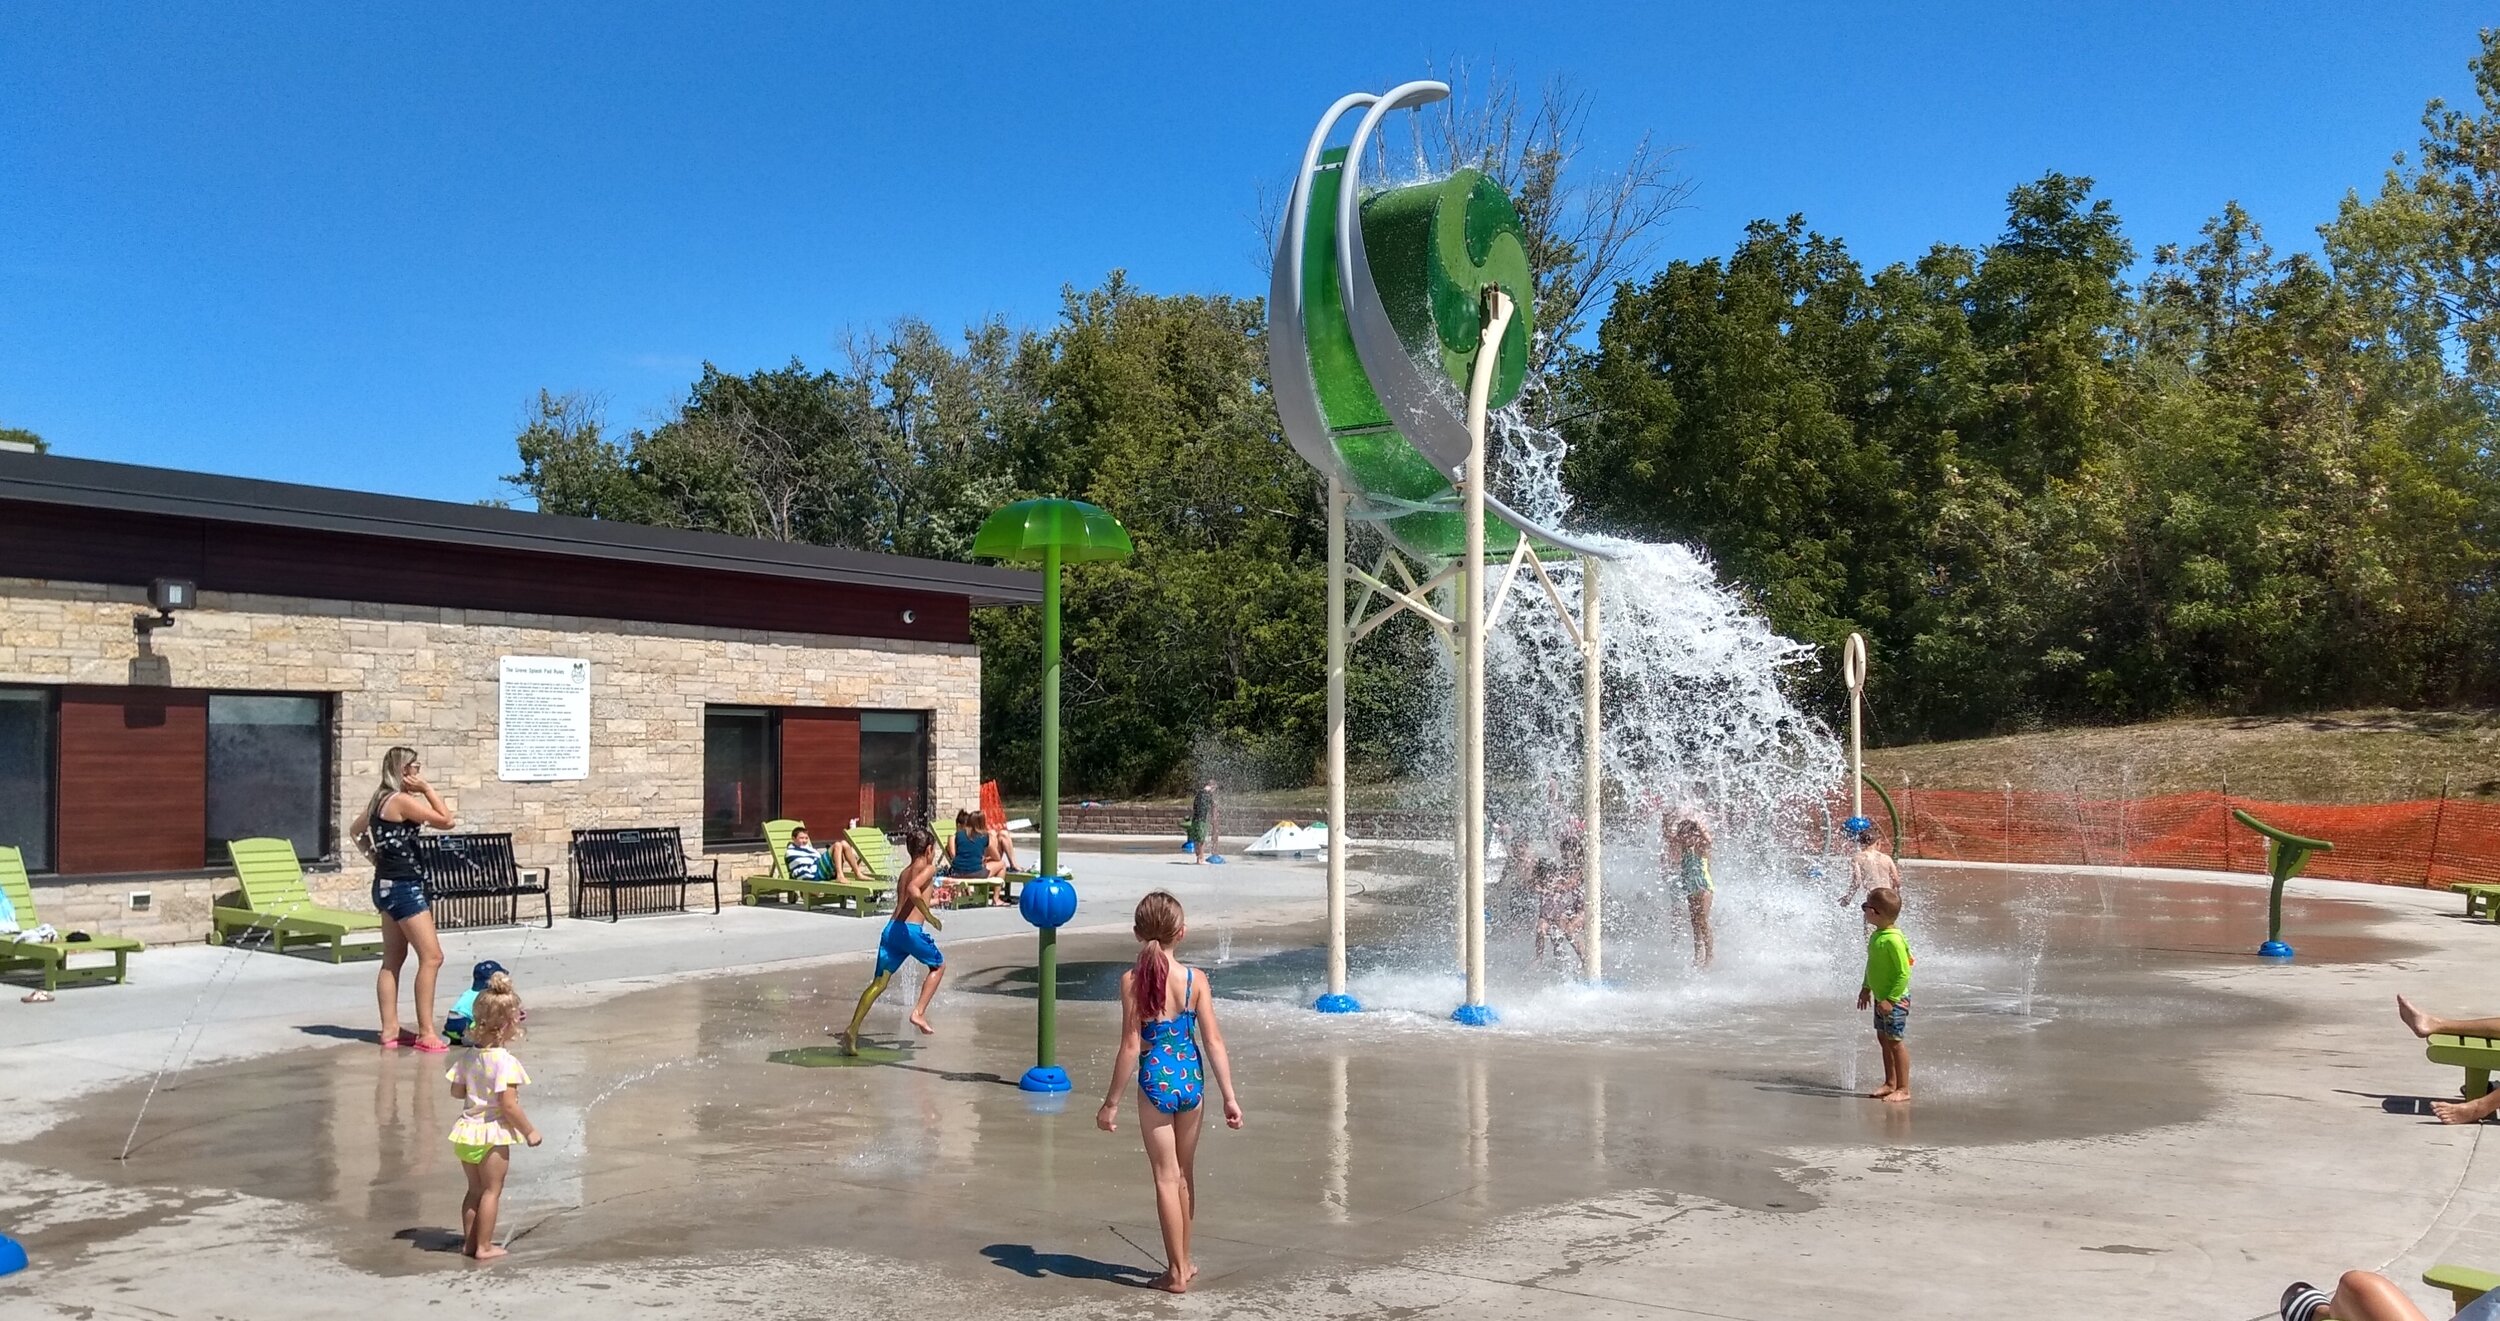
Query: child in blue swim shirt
1166, 1006
464, 1009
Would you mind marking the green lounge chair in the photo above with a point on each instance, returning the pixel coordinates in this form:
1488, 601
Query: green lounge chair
275, 901
854, 897
2482, 899
2478, 1056
2463, 1283
52, 956
877, 851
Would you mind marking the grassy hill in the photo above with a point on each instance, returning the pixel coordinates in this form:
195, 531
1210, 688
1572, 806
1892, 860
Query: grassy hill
2342, 756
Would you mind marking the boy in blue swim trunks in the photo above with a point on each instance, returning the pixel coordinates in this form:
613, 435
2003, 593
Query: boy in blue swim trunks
906, 939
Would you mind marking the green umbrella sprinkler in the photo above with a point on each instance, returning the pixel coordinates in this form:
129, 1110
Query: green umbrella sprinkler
1050, 532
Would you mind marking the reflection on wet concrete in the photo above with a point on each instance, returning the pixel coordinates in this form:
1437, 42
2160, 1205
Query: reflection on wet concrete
708, 1117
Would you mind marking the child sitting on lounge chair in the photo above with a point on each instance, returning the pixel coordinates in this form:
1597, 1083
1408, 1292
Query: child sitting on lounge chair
810, 863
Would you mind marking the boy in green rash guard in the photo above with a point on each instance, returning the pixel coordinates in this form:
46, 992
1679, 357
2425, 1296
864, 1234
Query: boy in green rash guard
1887, 988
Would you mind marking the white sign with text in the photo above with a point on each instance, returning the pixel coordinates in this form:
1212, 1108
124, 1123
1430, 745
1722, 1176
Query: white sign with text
546, 719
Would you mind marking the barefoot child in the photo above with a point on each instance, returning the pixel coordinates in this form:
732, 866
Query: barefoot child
1560, 915
1870, 868
487, 1081
1688, 853
1163, 1005
906, 939
1887, 988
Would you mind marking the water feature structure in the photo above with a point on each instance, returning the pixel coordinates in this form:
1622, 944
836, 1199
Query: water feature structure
1398, 321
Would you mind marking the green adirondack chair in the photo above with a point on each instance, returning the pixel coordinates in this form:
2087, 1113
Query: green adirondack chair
51, 957
853, 897
2463, 1283
275, 901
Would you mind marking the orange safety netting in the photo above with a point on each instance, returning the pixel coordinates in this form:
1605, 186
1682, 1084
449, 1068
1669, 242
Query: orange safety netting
2428, 842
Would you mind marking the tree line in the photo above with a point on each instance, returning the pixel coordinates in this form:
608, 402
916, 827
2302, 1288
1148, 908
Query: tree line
2050, 484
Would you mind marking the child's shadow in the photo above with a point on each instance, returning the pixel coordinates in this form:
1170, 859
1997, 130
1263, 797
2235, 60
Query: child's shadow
1025, 1261
432, 1240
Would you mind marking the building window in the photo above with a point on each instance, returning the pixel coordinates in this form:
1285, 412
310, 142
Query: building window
26, 742
268, 771
894, 767
830, 767
738, 764
96, 780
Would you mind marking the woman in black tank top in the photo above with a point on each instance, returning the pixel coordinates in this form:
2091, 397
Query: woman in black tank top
401, 807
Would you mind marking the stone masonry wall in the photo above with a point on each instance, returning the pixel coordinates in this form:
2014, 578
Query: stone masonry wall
429, 678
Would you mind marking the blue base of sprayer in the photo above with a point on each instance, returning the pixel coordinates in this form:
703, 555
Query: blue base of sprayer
1045, 1078
1475, 1015
12, 1255
1339, 1003
2274, 949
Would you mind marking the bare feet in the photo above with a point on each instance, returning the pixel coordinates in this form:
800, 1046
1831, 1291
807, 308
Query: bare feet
850, 1042
923, 1024
1171, 1282
2416, 1021
2462, 1112
490, 1252
1897, 1096
1883, 1093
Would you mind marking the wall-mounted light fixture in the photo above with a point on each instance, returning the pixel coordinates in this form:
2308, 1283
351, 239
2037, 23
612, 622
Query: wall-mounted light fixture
165, 596
911, 616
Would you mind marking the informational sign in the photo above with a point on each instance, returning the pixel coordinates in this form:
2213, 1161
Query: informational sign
546, 719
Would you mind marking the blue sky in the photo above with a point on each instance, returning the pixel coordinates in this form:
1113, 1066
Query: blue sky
342, 245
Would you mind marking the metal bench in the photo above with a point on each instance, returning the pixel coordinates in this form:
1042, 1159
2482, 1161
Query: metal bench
474, 881
634, 869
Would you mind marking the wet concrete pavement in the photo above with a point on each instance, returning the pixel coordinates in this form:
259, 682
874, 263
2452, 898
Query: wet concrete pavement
2114, 1103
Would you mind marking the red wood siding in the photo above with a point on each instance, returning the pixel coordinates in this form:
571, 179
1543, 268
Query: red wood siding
134, 780
102, 546
820, 768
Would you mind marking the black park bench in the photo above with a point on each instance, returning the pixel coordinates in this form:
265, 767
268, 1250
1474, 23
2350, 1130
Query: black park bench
635, 870
474, 881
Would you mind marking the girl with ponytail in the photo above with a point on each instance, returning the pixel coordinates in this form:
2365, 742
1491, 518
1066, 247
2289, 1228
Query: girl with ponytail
1165, 1007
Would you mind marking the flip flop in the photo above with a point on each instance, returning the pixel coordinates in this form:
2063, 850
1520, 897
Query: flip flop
437, 1048
36, 998
404, 1039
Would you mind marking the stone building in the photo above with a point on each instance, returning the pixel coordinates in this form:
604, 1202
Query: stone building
728, 681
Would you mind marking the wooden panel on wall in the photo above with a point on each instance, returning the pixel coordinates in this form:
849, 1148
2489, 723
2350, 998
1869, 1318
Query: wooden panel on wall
820, 768
134, 780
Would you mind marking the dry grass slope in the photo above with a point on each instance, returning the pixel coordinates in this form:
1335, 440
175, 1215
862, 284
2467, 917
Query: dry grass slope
2337, 757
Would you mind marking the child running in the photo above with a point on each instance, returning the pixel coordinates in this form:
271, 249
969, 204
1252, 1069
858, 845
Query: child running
1886, 987
487, 1081
1688, 852
905, 939
1160, 1019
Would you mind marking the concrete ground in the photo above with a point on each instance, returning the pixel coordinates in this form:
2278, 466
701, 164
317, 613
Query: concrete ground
2118, 1111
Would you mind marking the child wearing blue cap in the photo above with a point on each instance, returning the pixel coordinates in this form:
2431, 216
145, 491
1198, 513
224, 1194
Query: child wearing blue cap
464, 1010
1870, 869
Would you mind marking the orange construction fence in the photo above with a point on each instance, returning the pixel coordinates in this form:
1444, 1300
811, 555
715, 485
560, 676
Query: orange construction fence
2427, 842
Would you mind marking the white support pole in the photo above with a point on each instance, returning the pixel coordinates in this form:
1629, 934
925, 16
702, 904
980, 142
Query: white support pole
1340, 839
1853, 672
1592, 790
1497, 314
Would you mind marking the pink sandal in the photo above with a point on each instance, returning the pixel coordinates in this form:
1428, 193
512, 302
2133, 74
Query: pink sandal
437, 1048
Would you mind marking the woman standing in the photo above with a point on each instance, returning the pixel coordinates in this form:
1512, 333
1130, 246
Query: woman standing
388, 834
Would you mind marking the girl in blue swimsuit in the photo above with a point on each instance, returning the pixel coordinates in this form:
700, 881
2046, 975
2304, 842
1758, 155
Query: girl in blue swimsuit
1162, 1019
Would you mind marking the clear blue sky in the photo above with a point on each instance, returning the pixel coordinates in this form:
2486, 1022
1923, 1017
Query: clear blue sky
344, 245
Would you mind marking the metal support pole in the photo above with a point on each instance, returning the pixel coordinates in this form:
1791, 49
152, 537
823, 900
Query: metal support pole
1471, 602
1050, 710
1853, 672
1046, 1022
1340, 839
1592, 796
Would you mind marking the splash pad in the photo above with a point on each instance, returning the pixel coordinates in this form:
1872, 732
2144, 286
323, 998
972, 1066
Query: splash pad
1401, 324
